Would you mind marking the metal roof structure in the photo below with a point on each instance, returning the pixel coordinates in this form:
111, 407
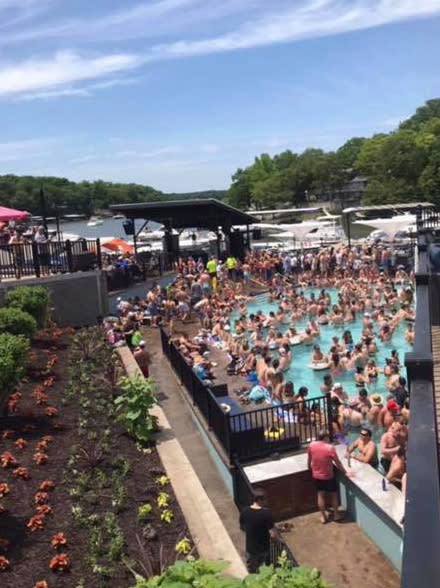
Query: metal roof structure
407, 206
181, 214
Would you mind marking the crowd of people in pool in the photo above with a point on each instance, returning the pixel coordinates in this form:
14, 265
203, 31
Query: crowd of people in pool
260, 346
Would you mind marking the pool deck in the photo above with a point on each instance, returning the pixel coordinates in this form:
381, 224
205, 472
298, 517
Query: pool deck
341, 551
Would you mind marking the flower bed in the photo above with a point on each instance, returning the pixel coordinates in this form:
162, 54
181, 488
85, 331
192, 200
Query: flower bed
81, 502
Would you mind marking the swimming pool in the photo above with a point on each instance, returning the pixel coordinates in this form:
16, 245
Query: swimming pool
301, 375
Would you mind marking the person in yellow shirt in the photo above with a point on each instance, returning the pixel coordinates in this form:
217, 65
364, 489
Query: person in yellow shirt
211, 268
231, 264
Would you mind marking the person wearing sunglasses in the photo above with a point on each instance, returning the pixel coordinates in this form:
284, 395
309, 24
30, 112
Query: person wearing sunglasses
364, 449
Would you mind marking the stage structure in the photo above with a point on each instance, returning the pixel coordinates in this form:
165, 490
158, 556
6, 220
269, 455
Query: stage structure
178, 215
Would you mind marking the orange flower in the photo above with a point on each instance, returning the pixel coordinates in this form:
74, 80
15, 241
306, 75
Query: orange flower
41, 497
4, 563
12, 405
40, 458
47, 438
3, 509
4, 489
47, 485
20, 443
41, 584
44, 509
7, 433
59, 563
7, 459
58, 540
51, 411
37, 390
36, 522
48, 382
21, 472
41, 446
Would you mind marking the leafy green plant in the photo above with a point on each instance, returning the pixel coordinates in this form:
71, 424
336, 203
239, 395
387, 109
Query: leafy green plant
144, 511
14, 351
167, 516
162, 480
17, 322
134, 405
198, 572
162, 500
183, 547
31, 299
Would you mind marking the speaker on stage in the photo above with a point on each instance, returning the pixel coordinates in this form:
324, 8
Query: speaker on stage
128, 226
236, 244
171, 245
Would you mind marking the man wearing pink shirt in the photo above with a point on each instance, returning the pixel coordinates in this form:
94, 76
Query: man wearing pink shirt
322, 458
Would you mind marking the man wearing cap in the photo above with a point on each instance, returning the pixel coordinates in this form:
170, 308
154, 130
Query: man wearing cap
143, 359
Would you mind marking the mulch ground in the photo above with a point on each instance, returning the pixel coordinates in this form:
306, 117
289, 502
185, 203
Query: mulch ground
29, 553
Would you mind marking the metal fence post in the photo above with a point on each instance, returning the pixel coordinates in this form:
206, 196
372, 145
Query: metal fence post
36, 258
98, 253
69, 256
328, 408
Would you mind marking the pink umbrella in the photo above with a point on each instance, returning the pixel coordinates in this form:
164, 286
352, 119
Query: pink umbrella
7, 214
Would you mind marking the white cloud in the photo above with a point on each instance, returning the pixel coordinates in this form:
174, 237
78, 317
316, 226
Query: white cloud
85, 91
313, 18
279, 21
65, 67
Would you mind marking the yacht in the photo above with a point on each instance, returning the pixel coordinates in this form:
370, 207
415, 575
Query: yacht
95, 221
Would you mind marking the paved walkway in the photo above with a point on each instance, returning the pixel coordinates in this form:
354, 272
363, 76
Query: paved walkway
342, 551
178, 414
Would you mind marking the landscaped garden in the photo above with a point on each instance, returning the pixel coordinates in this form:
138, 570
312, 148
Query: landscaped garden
84, 498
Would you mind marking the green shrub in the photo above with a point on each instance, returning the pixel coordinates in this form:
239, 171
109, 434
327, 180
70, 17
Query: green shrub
31, 299
133, 407
14, 351
17, 322
198, 572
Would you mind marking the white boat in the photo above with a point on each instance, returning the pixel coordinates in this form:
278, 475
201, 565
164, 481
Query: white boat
95, 221
117, 216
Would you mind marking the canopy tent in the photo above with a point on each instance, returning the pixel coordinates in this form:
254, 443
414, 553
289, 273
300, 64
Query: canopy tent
116, 245
9, 214
391, 226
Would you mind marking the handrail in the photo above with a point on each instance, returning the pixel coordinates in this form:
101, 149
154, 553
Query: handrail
420, 562
255, 433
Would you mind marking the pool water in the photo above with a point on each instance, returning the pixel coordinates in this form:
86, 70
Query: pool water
301, 375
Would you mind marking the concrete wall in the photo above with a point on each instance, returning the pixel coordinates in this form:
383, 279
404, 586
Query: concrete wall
380, 528
76, 299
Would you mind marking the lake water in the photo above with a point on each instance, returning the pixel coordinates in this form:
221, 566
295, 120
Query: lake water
110, 228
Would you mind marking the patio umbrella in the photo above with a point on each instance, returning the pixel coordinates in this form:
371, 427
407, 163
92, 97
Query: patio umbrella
116, 245
9, 214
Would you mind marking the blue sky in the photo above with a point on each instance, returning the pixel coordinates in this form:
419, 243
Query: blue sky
179, 93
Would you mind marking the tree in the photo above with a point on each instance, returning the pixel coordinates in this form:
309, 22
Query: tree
239, 194
431, 109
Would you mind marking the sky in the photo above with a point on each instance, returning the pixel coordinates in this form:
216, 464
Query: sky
178, 94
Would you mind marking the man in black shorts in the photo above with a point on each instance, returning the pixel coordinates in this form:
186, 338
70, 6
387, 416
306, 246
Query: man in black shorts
257, 522
322, 458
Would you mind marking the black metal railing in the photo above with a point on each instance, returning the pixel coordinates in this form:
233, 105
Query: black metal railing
427, 218
39, 259
420, 562
261, 432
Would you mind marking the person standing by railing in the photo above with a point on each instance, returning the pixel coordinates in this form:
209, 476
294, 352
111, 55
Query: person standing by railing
322, 459
257, 522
